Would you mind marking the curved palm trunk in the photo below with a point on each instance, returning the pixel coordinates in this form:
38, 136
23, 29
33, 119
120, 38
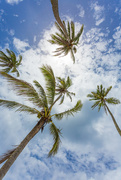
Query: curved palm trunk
57, 17
20, 148
115, 123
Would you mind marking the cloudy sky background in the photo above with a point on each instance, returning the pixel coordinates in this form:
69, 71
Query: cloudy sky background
90, 148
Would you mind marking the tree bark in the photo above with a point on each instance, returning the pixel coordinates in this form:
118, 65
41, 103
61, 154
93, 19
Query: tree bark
115, 123
56, 15
4, 169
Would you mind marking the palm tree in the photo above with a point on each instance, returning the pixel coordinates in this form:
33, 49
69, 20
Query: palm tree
9, 61
66, 38
44, 100
62, 88
66, 44
101, 101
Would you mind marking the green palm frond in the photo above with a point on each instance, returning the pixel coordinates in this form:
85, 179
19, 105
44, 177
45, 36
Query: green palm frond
19, 61
23, 89
50, 82
56, 137
75, 109
4, 57
62, 99
79, 34
19, 107
95, 104
10, 61
72, 55
6, 70
72, 30
68, 30
112, 100
41, 93
68, 82
107, 91
60, 30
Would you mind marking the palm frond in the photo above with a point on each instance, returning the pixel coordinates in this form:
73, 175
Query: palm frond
100, 105
95, 104
62, 99
68, 82
107, 90
72, 31
41, 93
112, 100
18, 106
69, 30
75, 109
60, 30
5, 156
23, 89
4, 57
19, 60
6, 70
56, 138
79, 34
50, 82
72, 55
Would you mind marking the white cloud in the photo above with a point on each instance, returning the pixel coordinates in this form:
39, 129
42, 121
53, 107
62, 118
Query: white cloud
117, 38
13, 1
81, 9
86, 150
98, 13
20, 45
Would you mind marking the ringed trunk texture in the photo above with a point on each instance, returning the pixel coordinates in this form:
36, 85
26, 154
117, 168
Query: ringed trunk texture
56, 15
115, 123
20, 148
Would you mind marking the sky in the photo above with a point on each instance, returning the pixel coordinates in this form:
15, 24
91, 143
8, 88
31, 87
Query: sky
90, 147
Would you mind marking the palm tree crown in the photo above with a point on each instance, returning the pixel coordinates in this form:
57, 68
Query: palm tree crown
42, 99
67, 42
101, 101
10, 62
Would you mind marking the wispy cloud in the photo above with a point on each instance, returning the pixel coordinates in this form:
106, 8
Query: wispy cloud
97, 62
81, 11
13, 1
98, 13
20, 45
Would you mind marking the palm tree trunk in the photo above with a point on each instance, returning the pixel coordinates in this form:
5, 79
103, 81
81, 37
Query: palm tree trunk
115, 123
20, 148
56, 15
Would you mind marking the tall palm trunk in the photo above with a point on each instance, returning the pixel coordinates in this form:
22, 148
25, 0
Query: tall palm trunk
20, 148
115, 123
57, 17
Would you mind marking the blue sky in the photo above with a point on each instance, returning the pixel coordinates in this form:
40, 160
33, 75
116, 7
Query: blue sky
90, 148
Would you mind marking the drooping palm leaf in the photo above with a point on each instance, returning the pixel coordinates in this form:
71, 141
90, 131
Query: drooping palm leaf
10, 61
41, 93
75, 109
23, 89
18, 106
56, 138
50, 82
112, 100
